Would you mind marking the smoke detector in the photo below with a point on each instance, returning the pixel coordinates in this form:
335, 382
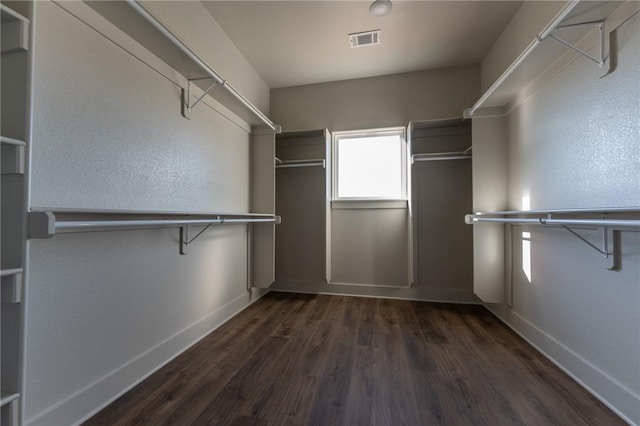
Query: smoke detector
366, 38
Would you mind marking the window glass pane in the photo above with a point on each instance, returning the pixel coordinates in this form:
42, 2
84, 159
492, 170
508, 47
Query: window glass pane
370, 167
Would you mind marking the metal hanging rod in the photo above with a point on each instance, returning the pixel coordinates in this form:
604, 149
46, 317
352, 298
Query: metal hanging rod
201, 63
440, 156
10, 272
471, 219
629, 209
301, 163
523, 56
11, 141
46, 225
545, 217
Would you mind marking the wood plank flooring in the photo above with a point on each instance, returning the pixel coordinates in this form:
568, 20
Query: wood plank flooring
294, 359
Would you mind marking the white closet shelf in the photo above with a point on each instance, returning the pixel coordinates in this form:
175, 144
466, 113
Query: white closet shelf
15, 30
143, 26
46, 224
576, 19
624, 218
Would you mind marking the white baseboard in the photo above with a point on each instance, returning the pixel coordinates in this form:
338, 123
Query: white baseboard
421, 294
621, 400
83, 404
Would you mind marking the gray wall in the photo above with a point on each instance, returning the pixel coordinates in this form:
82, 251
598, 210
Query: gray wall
376, 102
441, 198
105, 309
576, 144
301, 202
370, 246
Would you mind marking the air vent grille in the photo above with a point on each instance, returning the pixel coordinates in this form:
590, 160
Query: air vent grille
366, 38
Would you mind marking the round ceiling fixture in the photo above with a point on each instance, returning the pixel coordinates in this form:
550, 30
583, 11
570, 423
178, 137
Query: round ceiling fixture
380, 7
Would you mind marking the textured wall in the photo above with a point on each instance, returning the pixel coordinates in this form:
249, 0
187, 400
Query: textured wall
576, 143
376, 102
108, 132
107, 308
369, 246
195, 26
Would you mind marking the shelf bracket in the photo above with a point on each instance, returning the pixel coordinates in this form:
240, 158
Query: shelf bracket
187, 106
614, 254
184, 236
599, 24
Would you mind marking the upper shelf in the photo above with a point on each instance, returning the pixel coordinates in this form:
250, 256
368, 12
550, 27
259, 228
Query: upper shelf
542, 52
137, 22
15, 30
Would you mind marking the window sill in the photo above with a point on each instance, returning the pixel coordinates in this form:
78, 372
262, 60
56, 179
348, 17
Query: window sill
369, 204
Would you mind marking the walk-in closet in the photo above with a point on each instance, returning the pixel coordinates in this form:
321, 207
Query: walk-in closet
320, 212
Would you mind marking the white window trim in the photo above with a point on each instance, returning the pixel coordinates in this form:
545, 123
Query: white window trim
401, 131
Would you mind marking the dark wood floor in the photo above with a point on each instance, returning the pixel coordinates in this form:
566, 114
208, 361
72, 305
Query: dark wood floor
332, 360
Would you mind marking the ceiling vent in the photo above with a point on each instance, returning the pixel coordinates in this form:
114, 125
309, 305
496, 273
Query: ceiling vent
366, 38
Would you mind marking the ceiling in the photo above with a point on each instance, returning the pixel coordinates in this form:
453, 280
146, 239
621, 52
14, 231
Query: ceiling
291, 43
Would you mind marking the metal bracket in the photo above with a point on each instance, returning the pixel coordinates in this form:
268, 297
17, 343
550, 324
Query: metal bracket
600, 24
615, 253
186, 96
184, 235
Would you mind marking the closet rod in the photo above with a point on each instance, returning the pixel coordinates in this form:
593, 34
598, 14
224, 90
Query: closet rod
93, 224
10, 272
301, 163
198, 60
626, 223
524, 55
45, 224
440, 156
630, 209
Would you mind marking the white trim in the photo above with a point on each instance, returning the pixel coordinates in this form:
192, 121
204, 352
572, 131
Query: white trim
89, 400
597, 382
369, 204
367, 133
415, 293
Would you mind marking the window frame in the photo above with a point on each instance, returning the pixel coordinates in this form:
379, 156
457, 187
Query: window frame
367, 133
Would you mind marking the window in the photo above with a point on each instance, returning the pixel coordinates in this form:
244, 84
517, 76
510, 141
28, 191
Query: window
370, 164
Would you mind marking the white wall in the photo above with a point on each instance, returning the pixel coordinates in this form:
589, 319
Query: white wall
376, 102
106, 309
576, 144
